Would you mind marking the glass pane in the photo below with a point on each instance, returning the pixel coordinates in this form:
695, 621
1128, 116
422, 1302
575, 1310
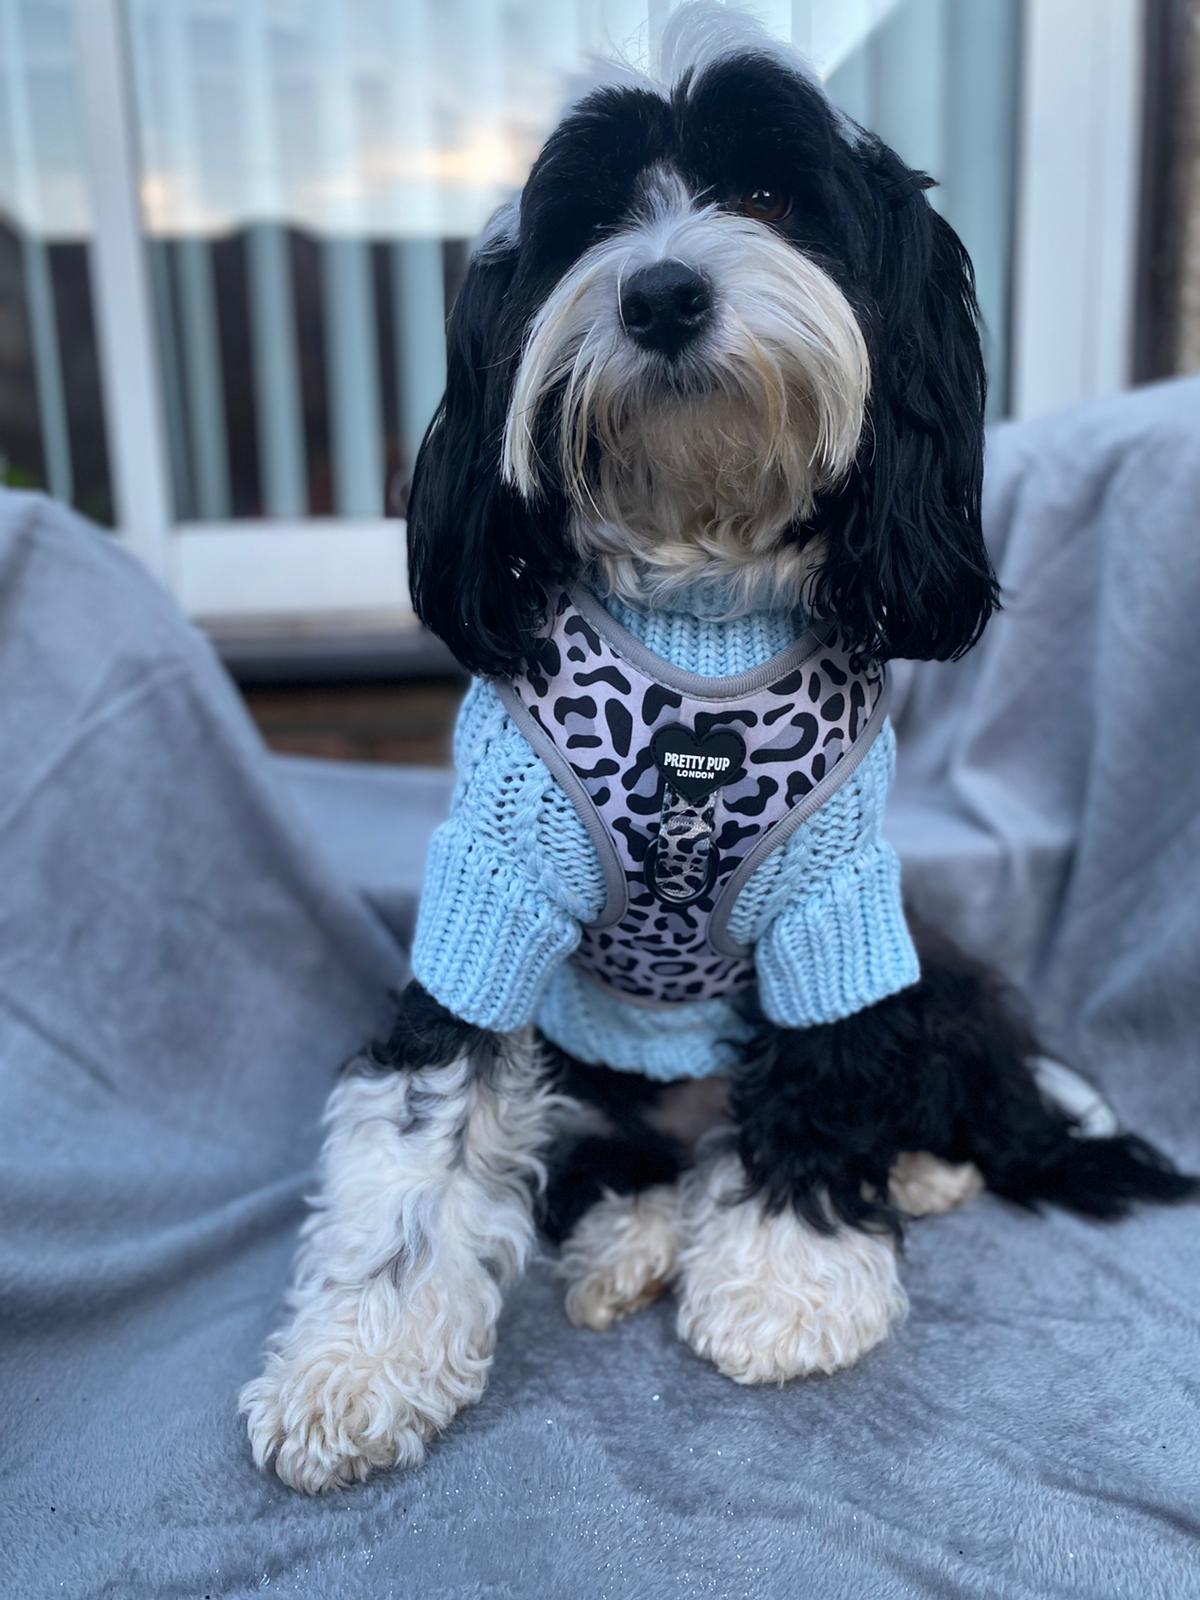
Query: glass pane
51, 414
938, 81
315, 169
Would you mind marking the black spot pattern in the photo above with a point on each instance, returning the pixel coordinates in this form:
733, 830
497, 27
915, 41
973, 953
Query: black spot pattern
636, 843
577, 626
612, 677
564, 706
643, 763
858, 708
601, 713
798, 785
620, 725
735, 833
644, 805
706, 721
790, 687
603, 769
655, 701
753, 805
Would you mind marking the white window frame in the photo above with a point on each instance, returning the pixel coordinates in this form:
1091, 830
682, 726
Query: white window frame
1074, 277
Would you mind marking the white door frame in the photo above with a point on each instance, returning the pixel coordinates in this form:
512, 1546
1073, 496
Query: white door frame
1074, 274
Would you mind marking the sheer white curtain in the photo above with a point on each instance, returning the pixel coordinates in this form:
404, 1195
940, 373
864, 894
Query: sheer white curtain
310, 171
388, 130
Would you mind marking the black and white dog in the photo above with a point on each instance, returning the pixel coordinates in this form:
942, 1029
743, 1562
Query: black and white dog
722, 335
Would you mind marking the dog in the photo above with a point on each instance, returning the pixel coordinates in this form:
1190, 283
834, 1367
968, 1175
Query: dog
709, 456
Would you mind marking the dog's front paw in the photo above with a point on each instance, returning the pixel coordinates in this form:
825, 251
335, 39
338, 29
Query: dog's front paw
621, 1256
767, 1298
324, 1420
363, 1381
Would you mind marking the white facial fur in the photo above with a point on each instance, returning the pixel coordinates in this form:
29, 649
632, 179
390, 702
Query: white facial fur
693, 469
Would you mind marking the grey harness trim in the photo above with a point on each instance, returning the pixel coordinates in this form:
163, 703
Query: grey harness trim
615, 889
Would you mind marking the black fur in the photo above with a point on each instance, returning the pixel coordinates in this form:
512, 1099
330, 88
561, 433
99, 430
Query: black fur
580, 1173
819, 1115
479, 561
943, 1067
906, 573
424, 1034
627, 1157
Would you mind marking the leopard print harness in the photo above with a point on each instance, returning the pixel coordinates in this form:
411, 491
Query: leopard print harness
685, 784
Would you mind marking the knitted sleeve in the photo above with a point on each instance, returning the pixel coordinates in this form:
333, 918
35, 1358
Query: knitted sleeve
824, 911
510, 876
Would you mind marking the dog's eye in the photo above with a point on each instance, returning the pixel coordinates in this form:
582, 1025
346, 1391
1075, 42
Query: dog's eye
765, 205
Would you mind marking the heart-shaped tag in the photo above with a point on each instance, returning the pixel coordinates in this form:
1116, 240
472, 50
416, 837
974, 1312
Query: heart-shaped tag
694, 767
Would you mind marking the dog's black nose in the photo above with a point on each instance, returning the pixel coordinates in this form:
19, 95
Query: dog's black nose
665, 305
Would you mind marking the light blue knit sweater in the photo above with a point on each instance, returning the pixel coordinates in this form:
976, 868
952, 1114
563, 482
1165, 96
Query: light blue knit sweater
512, 875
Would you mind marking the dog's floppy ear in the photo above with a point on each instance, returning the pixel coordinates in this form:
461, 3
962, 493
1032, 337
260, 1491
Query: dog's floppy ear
907, 573
478, 559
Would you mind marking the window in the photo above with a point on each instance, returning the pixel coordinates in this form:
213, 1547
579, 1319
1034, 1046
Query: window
52, 432
230, 229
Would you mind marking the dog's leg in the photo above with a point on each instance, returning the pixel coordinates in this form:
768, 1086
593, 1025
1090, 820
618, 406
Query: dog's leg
946, 1068
423, 1217
611, 1200
788, 1264
767, 1296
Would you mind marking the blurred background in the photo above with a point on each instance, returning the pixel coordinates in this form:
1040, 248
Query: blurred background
230, 231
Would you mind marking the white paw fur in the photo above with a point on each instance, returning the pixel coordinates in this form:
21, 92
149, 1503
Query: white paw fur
621, 1256
364, 1379
925, 1186
768, 1298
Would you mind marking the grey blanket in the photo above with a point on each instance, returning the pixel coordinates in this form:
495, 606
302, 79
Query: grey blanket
192, 936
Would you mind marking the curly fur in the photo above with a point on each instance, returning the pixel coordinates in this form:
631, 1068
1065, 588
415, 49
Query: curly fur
622, 1256
766, 1297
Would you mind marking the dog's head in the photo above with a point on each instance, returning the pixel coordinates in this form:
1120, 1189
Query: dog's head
721, 334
